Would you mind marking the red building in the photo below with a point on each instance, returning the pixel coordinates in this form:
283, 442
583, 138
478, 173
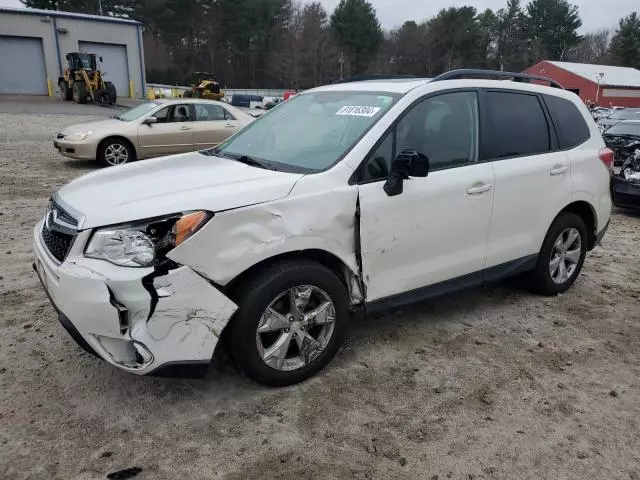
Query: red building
601, 84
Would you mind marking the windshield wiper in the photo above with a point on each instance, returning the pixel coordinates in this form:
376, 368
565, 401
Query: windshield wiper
246, 159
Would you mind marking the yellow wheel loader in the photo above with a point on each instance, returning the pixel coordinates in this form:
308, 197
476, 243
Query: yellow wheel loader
82, 81
206, 87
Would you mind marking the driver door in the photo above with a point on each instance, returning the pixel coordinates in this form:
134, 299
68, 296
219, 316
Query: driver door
173, 133
435, 230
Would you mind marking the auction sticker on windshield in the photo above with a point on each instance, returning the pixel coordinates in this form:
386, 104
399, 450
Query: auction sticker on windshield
358, 110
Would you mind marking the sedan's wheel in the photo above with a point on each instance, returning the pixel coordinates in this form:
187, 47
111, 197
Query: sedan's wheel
291, 321
562, 255
116, 152
295, 328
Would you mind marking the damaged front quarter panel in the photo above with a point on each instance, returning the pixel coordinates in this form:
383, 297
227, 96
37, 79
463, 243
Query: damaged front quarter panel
236, 240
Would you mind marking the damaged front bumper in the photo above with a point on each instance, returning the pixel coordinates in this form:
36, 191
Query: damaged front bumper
138, 319
625, 193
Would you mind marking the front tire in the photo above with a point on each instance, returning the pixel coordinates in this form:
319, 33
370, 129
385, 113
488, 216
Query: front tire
113, 95
292, 319
80, 92
65, 92
562, 255
115, 151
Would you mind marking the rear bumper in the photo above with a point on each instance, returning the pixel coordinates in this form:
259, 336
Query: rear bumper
139, 320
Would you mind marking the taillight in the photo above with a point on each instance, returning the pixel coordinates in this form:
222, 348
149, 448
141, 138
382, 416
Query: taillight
607, 156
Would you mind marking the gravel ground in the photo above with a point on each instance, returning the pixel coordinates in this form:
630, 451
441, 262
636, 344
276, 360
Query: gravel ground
492, 383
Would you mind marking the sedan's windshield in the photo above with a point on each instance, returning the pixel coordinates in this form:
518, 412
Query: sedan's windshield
625, 129
309, 132
137, 112
626, 114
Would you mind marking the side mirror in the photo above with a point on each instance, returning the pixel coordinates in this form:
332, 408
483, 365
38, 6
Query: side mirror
150, 121
408, 164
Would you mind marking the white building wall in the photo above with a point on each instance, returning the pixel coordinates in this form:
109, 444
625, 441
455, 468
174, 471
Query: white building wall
74, 30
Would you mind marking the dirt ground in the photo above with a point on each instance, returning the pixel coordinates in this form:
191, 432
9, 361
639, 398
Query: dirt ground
493, 383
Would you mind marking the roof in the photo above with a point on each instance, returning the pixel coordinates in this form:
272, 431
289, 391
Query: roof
613, 76
77, 16
401, 86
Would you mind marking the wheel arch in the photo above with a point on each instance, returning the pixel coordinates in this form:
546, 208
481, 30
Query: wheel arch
348, 277
118, 137
587, 212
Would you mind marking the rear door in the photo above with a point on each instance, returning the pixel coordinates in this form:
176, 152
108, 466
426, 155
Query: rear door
532, 175
173, 132
213, 125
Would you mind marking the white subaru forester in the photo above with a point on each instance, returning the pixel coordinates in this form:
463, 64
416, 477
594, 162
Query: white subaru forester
358, 196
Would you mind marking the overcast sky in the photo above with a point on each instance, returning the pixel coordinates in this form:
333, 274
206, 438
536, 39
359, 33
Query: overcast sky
595, 14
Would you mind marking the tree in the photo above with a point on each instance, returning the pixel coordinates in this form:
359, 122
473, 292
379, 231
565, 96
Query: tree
552, 26
357, 31
625, 44
593, 48
511, 37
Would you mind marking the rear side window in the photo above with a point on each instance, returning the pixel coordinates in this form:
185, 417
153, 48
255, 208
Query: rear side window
518, 123
570, 126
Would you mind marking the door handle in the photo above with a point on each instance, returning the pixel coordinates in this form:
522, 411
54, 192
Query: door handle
229, 125
559, 170
478, 189
185, 128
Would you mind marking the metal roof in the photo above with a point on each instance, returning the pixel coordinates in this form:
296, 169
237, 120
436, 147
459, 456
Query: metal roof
77, 16
613, 76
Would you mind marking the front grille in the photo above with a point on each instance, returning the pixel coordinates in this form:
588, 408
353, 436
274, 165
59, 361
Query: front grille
57, 243
58, 231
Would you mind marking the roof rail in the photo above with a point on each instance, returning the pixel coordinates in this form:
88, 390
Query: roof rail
374, 76
517, 77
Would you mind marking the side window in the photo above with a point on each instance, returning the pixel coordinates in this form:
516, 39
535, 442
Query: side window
207, 113
444, 128
569, 123
228, 116
378, 164
519, 125
162, 115
180, 113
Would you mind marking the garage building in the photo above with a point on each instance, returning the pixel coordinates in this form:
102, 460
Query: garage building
34, 44
601, 84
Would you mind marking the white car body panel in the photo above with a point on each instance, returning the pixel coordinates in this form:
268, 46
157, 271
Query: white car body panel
161, 186
431, 232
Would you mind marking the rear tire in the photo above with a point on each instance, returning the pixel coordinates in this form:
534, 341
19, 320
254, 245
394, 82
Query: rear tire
111, 89
79, 92
310, 346
116, 151
561, 256
66, 94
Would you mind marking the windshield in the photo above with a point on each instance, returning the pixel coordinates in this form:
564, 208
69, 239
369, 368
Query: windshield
626, 114
137, 112
625, 129
311, 131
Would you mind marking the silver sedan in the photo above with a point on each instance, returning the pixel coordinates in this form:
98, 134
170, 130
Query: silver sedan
152, 129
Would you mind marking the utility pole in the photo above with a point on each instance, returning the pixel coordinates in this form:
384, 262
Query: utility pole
341, 62
599, 78
100, 7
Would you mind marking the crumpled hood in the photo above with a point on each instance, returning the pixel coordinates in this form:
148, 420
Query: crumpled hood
92, 125
190, 181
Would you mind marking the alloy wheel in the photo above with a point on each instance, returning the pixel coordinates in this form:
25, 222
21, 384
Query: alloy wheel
116, 154
565, 255
295, 328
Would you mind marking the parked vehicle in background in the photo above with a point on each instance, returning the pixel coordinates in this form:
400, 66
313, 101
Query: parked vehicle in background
352, 197
624, 139
600, 112
152, 129
619, 116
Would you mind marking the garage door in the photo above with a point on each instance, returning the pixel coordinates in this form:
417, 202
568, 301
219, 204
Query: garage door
23, 70
114, 63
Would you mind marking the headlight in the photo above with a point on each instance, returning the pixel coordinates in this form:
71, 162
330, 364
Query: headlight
78, 135
143, 244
